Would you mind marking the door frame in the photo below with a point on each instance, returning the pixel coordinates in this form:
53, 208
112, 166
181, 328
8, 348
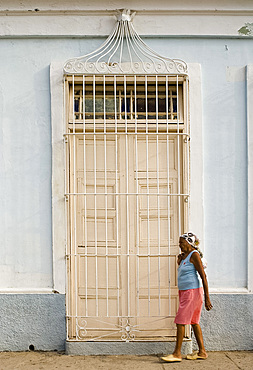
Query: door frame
196, 212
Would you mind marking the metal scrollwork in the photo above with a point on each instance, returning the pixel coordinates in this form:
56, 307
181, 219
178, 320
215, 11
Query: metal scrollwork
124, 52
81, 328
127, 334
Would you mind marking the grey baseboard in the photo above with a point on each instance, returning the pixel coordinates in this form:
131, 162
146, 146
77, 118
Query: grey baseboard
34, 321
124, 348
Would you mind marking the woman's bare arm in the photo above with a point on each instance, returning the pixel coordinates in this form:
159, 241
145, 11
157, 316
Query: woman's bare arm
196, 260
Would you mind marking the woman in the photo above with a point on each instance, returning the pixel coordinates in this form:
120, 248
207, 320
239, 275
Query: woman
190, 296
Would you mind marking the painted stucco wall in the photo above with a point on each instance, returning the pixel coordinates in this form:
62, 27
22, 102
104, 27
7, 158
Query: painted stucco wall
32, 321
228, 326
25, 182
25, 149
38, 320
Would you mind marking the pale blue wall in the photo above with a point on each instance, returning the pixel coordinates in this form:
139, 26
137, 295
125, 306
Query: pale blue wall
225, 153
25, 152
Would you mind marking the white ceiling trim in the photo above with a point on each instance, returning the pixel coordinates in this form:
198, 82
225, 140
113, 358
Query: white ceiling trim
81, 23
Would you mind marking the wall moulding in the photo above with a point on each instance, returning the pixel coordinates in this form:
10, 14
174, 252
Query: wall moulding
37, 22
100, 12
132, 4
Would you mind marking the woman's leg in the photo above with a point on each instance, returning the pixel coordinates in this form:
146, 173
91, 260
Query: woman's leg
180, 337
176, 356
199, 338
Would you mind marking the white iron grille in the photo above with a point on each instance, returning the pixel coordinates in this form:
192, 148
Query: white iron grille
127, 189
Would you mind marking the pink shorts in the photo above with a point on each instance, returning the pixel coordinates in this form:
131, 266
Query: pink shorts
190, 306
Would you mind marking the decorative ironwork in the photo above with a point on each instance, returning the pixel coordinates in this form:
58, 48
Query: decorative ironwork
127, 334
124, 52
81, 328
125, 331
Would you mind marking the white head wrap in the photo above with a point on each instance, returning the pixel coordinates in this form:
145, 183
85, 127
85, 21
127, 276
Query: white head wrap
191, 239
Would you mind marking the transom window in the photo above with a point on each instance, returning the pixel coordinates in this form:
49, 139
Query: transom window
135, 99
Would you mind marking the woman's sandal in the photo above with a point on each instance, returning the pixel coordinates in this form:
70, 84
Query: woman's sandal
171, 358
195, 356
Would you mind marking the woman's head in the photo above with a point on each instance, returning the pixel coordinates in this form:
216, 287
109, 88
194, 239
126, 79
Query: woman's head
192, 240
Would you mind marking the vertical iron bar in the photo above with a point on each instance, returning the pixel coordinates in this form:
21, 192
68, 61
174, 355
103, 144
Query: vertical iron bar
106, 199
147, 175
85, 203
127, 204
137, 199
117, 197
74, 188
95, 187
168, 186
158, 201
178, 164
120, 103
131, 104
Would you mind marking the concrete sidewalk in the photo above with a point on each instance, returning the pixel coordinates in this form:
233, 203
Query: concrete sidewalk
53, 360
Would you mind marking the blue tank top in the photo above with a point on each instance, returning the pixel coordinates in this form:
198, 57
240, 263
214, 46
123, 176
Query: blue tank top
187, 275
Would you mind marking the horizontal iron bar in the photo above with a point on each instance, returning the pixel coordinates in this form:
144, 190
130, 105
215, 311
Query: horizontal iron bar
126, 133
117, 255
111, 74
117, 316
153, 194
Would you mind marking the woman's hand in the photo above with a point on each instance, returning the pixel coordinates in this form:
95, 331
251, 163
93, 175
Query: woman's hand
208, 304
179, 258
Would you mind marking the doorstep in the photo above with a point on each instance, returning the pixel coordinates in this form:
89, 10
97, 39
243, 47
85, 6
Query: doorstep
93, 348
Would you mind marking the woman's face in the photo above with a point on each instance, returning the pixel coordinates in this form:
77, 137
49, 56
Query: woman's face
184, 246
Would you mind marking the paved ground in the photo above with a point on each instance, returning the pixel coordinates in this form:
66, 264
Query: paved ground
54, 360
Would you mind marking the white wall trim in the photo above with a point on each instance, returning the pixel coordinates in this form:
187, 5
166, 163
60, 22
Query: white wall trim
164, 19
58, 165
146, 5
27, 291
196, 222
249, 82
111, 12
58, 177
229, 291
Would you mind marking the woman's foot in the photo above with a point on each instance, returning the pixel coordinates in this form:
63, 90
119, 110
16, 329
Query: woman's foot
171, 358
197, 356
203, 355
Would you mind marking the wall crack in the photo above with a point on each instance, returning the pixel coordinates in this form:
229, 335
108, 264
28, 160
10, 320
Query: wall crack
238, 367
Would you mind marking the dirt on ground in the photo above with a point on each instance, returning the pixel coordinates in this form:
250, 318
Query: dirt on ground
54, 360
